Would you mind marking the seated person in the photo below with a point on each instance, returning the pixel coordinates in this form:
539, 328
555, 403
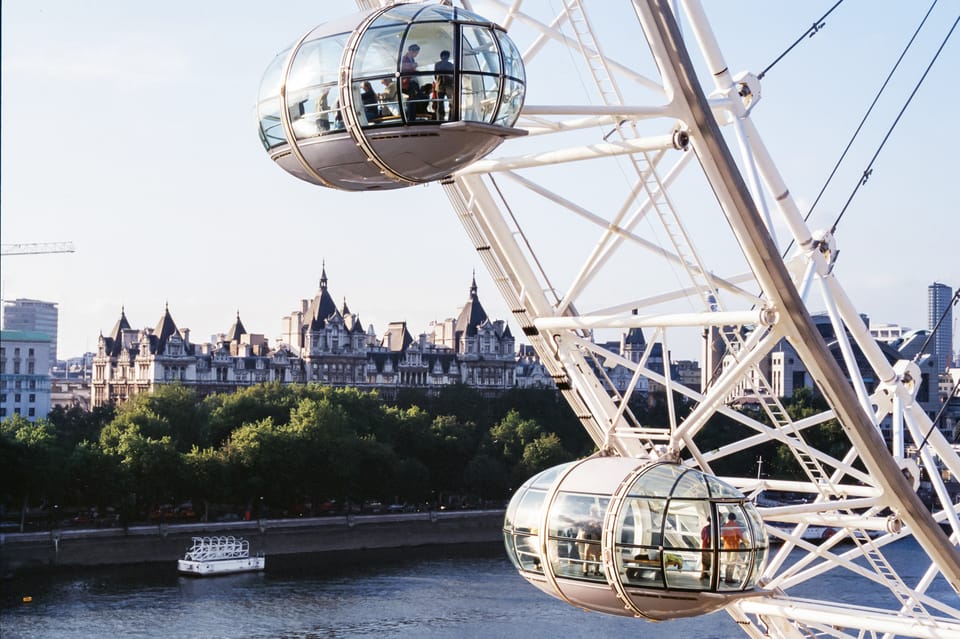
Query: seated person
389, 97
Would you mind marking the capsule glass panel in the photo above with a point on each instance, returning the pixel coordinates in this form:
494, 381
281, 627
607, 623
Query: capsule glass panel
620, 533
398, 68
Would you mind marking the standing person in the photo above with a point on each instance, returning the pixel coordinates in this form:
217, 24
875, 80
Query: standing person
707, 554
732, 536
369, 99
408, 84
589, 531
323, 111
443, 71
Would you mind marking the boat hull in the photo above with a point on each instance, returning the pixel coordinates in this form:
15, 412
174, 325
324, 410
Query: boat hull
220, 566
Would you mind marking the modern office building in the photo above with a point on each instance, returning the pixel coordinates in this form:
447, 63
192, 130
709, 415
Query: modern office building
24, 374
940, 311
33, 316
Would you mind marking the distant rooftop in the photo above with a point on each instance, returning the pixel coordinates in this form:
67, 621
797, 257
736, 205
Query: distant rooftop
23, 336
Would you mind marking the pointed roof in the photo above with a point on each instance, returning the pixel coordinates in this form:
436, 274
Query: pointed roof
120, 326
233, 335
323, 306
165, 328
397, 338
114, 342
472, 314
634, 337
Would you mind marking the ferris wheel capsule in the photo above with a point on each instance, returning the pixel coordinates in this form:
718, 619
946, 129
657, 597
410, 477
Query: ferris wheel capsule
402, 95
627, 537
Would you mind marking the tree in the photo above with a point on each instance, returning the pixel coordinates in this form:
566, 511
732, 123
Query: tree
31, 463
227, 412
92, 476
542, 453
487, 477
511, 435
185, 416
152, 467
73, 425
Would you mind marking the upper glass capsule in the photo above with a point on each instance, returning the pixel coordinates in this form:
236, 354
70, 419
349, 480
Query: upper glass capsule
402, 95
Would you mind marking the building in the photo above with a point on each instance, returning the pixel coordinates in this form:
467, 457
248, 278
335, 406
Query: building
34, 316
24, 374
940, 322
132, 361
887, 332
319, 342
787, 372
67, 393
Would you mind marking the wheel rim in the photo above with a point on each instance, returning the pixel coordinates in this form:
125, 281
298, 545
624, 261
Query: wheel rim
627, 226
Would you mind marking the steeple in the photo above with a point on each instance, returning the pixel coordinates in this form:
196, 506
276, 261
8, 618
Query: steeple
472, 314
165, 328
233, 335
323, 305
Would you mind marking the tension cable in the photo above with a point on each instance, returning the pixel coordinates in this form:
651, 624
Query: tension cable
813, 30
866, 115
869, 170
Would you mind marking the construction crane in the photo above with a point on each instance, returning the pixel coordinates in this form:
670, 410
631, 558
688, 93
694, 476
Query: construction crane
36, 248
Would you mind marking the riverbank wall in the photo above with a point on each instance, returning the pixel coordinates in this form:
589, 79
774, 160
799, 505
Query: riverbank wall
272, 537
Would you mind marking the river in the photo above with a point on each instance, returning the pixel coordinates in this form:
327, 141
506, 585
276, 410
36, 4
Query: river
451, 591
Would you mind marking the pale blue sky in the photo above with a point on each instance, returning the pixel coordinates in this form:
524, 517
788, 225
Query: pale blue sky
129, 129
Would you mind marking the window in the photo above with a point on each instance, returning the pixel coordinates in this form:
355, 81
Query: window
30, 352
16, 398
32, 412
33, 398
3, 397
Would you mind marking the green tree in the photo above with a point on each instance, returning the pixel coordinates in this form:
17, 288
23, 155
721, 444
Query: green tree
31, 462
206, 479
92, 476
73, 425
456, 443
511, 435
152, 467
186, 417
228, 411
542, 453
487, 477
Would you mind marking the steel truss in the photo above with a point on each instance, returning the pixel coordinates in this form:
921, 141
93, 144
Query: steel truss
597, 196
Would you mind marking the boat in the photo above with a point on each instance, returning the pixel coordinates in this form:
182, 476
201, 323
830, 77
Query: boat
219, 556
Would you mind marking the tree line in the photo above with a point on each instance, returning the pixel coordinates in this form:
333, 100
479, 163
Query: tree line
283, 449
286, 450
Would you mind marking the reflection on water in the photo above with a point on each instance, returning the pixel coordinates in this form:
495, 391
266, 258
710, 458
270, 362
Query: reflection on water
471, 592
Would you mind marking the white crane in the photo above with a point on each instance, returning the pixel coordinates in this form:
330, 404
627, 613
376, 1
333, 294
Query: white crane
35, 248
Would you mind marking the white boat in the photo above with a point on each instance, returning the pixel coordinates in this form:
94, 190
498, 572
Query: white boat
219, 556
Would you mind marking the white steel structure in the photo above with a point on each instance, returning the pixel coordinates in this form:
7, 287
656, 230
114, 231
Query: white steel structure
620, 164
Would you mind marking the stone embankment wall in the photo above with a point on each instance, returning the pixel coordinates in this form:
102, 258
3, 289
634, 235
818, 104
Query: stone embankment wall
168, 542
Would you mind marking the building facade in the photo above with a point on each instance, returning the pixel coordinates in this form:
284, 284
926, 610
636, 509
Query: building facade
319, 342
940, 320
24, 374
33, 316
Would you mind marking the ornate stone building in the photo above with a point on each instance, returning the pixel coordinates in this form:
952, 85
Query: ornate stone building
319, 343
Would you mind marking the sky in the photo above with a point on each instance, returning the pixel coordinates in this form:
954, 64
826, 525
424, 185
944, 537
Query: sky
129, 129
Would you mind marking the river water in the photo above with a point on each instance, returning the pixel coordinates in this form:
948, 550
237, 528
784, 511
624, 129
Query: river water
470, 592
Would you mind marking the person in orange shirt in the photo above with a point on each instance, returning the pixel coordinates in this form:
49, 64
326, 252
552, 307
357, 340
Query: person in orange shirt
732, 536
